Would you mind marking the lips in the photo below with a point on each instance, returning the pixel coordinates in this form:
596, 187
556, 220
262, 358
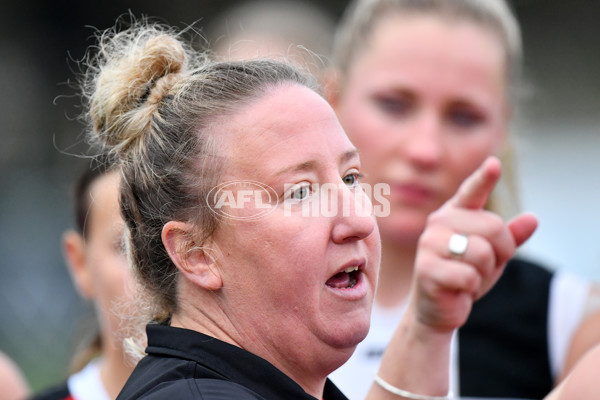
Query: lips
412, 193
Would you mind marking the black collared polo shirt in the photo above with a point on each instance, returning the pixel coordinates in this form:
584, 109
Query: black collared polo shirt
183, 364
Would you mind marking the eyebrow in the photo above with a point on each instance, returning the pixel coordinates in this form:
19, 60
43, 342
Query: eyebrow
349, 155
312, 164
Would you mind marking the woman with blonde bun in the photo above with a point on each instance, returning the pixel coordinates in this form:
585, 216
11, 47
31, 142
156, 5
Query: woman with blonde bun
254, 243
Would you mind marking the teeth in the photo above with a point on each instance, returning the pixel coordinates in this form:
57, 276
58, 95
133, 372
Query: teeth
350, 269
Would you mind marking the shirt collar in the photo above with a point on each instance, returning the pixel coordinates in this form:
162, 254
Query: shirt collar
231, 362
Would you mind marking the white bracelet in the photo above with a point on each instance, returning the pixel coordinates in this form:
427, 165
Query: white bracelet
397, 391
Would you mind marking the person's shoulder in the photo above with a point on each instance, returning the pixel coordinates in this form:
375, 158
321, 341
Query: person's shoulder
521, 274
58, 392
582, 383
527, 267
12, 380
527, 285
206, 389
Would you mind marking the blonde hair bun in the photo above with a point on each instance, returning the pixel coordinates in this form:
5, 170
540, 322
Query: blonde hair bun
133, 71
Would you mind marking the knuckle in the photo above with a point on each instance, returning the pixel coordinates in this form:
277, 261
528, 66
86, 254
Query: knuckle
435, 217
428, 238
424, 263
497, 228
482, 252
472, 281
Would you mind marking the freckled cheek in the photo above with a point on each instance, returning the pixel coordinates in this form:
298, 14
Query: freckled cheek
286, 289
300, 273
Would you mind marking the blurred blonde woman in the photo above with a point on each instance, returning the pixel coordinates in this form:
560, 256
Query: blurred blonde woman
426, 90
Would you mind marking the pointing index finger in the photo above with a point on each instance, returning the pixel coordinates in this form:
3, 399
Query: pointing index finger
475, 190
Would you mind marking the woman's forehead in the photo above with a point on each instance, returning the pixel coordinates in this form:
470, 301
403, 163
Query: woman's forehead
446, 56
284, 112
288, 124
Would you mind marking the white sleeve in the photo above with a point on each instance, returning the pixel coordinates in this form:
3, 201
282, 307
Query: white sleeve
568, 294
87, 384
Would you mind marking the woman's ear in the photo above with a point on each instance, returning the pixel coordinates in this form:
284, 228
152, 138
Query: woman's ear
74, 252
191, 260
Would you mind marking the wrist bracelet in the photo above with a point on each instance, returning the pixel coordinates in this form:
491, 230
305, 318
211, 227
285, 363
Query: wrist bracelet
397, 391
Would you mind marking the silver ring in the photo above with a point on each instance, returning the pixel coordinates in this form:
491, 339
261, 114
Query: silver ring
458, 244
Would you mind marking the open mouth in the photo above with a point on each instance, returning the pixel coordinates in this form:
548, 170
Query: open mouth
346, 279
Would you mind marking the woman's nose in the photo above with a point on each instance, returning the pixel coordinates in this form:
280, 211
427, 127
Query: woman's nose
422, 141
354, 219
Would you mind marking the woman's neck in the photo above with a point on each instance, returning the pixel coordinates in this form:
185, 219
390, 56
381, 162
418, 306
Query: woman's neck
395, 275
114, 368
216, 324
205, 313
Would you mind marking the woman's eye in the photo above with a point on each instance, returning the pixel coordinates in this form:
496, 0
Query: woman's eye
394, 105
300, 193
465, 118
352, 179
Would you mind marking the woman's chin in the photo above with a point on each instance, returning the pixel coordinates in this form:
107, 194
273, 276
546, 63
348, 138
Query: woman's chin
402, 228
347, 337
342, 346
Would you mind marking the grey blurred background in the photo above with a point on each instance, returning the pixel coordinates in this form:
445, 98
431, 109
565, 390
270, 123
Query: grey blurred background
558, 148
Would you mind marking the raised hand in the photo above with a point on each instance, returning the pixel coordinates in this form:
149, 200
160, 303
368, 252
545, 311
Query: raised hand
463, 251
460, 256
